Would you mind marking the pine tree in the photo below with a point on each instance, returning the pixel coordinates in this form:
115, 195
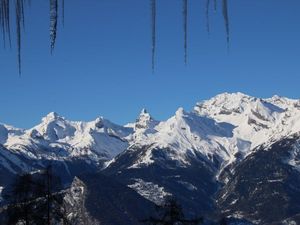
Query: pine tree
36, 199
20, 197
170, 213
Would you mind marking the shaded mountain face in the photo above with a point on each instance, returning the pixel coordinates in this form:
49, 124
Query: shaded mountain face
193, 186
208, 158
97, 199
265, 186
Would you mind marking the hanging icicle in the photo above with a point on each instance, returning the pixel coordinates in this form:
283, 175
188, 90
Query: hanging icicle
20, 21
215, 5
63, 11
5, 6
5, 21
53, 23
153, 30
207, 16
226, 20
185, 27
19, 7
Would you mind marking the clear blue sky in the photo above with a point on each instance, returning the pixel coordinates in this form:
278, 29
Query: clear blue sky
102, 61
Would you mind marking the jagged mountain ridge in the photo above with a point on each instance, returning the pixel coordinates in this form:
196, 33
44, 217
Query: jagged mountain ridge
192, 155
226, 127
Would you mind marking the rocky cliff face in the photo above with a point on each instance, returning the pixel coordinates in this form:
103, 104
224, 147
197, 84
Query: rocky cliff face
75, 204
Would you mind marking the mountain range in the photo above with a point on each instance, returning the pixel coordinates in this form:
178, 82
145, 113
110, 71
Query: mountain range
233, 155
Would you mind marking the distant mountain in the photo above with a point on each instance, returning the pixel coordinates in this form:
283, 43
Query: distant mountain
232, 155
61, 142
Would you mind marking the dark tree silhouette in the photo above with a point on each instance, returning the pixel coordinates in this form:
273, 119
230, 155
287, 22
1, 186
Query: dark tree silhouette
36, 199
170, 213
223, 221
22, 197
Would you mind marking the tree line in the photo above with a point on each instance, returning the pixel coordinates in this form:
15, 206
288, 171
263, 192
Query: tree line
36, 199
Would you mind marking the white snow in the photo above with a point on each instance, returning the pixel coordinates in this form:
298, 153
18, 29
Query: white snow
188, 185
150, 191
294, 159
58, 138
227, 127
1, 189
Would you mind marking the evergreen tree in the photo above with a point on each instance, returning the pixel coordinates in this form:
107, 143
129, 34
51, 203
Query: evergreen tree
170, 213
22, 197
223, 221
37, 199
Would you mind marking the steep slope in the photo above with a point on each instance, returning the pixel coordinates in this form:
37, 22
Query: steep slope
256, 120
192, 155
222, 130
96, 139
265, 187
71, 147
116, 204
184, 135
57, 139
179, 157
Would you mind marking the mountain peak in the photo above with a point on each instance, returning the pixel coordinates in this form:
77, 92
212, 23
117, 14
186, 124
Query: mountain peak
144, 111
144, 115
180, 112
144, 120
231, 96
51, 116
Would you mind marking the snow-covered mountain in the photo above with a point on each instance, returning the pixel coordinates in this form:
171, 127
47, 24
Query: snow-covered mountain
225, 128
56, 138
199, 156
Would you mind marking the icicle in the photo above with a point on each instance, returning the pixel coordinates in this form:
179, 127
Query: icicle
5, 21
215, 5
207, 16
153, 28
53, 23
8, 22
19, 18
185, 27
22, 13
63, 11
226, 20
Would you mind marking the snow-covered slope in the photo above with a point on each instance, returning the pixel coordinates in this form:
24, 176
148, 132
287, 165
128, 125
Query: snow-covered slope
189, 155
226, 127
56, 138
223, 129
256, 120
184, 135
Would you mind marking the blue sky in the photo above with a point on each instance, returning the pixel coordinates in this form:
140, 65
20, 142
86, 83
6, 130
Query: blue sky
102, 61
